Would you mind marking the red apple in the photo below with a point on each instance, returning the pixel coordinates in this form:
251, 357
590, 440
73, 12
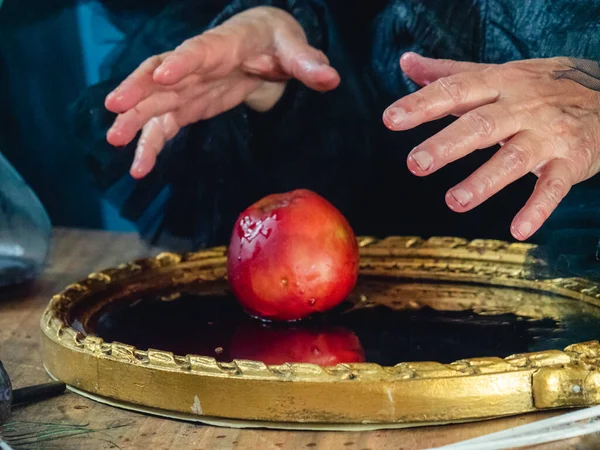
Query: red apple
291, 255
280, 345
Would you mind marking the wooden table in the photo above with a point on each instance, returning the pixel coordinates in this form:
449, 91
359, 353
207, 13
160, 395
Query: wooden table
77, 253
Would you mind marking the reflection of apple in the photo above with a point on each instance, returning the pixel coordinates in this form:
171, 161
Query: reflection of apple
291, 255
279, 345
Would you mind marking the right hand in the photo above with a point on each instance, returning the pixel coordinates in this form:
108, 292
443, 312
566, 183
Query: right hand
247, 59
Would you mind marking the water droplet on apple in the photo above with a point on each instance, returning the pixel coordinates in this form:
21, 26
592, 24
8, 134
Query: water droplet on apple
312, 301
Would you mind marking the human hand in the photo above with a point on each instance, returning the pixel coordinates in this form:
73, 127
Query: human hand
247, 59
545, 114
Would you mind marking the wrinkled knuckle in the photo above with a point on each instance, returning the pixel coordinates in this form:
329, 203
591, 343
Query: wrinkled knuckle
576, 167
447, 152
493, 74
452, 65
556, 189
588, 147
483, 184
587, 139
535, 107
481, 124
454, 87
582, 161
542, 211
515, 157
419, 103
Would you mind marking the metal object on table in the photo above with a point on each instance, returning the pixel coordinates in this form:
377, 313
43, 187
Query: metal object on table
346, 396
25, 395
6, 394
30, 394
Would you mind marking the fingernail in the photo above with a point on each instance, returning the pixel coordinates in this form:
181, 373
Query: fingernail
524, 229
462, 196
423, 160
396, 115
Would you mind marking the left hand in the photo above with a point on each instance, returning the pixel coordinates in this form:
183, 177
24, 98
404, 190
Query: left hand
546, 124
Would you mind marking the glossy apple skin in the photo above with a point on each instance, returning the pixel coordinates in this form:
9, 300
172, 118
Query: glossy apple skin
292, 255
279, 345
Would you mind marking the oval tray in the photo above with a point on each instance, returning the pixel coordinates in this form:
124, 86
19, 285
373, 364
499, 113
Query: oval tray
365, 395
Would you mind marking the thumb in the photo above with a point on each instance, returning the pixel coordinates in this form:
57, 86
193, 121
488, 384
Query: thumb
305, 63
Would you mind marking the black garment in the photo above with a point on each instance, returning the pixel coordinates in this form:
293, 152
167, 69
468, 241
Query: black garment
333, 143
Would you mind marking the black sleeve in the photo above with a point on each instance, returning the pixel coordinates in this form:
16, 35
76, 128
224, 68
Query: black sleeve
213, 169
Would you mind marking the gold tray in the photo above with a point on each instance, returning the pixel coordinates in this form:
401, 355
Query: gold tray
489, 277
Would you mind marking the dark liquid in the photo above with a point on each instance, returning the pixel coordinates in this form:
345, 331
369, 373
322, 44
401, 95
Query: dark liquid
387, 333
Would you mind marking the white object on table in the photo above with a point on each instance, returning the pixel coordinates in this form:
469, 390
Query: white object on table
565, 426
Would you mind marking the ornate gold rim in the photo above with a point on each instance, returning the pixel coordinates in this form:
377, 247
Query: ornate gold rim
407, 393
